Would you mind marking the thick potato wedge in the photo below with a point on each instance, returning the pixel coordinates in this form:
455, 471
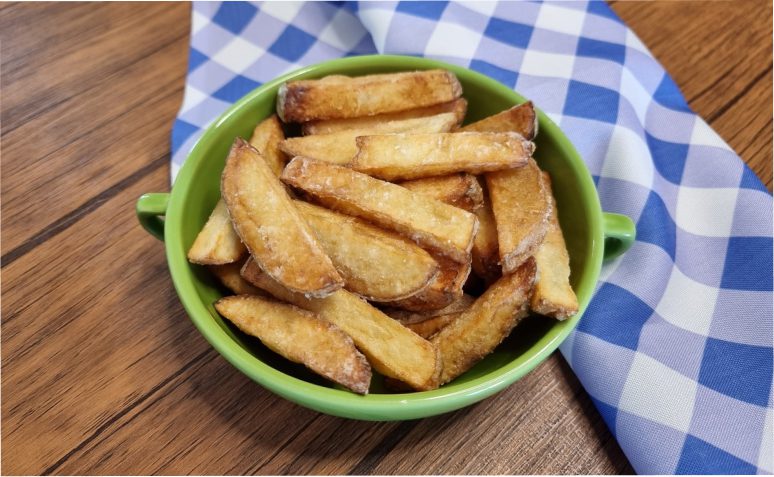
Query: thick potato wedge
301, 337
429, 328
392, 349
443, 290
270, 226
409, 317
438, 226
521, 119
458, 107
375, 264
345, 97
521, 210
476, 332
460, 190
340, 147
553, 294
266, 139
230, 277
412, 156
486, 251
217, 242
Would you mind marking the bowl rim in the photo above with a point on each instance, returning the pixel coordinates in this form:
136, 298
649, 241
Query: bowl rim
373, 406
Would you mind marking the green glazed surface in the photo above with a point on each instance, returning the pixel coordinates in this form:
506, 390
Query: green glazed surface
196, 191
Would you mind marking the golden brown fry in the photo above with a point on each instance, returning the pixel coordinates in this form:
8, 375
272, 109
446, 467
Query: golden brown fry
521, 209
411, 156
392, 349
375, 264
430, 327
432, 224
217, 242
270, 226
486, 252
458, 107
553, 294
228, 274
409, 317
266, 139
443, 290
344, 97
340, 147
301, 337
521, 119
460, 190
477, 331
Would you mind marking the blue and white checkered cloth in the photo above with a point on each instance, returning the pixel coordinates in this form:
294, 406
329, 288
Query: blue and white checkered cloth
676, 346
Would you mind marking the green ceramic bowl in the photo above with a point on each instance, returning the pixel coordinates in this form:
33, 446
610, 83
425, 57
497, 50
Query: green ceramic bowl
591, 235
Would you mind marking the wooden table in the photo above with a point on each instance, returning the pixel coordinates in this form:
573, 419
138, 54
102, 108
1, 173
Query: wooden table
103, 373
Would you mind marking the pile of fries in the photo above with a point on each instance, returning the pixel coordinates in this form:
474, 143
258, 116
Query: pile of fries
350, 248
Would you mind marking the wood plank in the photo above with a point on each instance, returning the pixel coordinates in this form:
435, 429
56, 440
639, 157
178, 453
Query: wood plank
715, 52
91, 325
92, 141
92, 42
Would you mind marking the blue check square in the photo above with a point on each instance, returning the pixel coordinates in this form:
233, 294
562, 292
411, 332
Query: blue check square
601, 49
606, 321
741, 371
235, 89
591, 102
292, 44
748, 264
514, 34
234, 16
429, 10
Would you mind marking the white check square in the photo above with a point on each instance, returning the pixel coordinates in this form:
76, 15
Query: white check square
449, 39
537, 63
708, 212
563, 20
238, 55
656, 392
627, 158
688, 304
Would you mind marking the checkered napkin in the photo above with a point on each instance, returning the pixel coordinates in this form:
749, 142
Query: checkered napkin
675, 349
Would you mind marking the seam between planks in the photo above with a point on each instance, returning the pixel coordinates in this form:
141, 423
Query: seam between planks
90, 205
123, 412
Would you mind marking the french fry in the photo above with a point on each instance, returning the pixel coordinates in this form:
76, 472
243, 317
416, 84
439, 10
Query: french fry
301, 337
553, 294
266, 139
443, 290
521, 209
410, 317
217, 242
429, 328
460, 190
458, 107
477, 331
271, 228
340, 147
229, 276
486, 251
432, 224
521, 119
345, 97
375, 264
412, 156
392, 349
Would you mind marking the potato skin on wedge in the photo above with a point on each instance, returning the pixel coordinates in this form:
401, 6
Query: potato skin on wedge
477, 331
301, 337
375, 264
460, 190
521, 119
458, 107
392, 349
340, 147
437, 226
271, 228
338, 96
217, 243
521, 210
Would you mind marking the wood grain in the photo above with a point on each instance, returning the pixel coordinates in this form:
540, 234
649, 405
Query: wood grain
102, 371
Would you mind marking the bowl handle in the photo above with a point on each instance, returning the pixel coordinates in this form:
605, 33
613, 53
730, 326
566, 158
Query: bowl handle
620, 233
149, 209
